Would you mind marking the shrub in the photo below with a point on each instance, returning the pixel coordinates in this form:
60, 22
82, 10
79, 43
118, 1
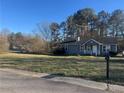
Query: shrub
59, 51
112, 54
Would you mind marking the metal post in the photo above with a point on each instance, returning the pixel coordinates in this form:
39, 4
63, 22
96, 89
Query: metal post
107, 69
107, 73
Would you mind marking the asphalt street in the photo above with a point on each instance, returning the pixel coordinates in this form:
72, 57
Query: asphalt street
13, 83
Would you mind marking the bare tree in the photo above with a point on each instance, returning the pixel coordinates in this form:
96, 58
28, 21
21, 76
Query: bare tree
55, 27
44, 31
4, 44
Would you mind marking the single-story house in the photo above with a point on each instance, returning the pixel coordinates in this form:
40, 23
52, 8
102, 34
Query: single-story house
90, 46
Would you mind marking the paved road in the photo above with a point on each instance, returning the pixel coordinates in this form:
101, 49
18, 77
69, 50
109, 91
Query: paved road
13, 83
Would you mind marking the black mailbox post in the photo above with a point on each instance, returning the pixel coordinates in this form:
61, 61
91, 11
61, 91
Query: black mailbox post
107, 58
107, 67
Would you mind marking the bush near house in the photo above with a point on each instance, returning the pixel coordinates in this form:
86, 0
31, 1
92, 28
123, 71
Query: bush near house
113, 54
59, 51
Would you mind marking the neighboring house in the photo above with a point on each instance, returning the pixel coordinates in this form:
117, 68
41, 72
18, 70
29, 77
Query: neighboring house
90, 47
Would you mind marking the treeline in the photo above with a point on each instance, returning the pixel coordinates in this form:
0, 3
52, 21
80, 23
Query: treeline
23, 43
86, 23
28, 43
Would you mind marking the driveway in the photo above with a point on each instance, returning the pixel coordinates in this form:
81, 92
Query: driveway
13, 83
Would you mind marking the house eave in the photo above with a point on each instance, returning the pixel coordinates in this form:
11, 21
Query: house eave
92, 40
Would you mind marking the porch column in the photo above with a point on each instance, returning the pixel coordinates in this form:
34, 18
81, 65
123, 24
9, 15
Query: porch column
99, 49
84, 49
116, 48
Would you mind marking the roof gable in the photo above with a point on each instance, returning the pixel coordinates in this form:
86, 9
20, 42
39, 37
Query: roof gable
91, 41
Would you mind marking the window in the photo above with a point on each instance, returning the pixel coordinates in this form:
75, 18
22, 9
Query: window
88, 48
113, 48
66, 47
81, 48
104, 48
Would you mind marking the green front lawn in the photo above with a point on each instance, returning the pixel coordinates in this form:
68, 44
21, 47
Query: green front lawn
87, 67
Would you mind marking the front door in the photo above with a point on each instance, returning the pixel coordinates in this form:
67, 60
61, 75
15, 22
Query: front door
89, 50
95, 50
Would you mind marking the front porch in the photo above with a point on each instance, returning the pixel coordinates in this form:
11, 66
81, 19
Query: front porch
91, 50
92, 47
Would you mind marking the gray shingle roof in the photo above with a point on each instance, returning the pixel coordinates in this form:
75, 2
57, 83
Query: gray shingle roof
107, 40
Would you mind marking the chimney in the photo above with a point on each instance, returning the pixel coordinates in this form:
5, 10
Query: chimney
78, 39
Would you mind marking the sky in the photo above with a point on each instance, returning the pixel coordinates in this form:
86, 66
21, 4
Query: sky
24, 15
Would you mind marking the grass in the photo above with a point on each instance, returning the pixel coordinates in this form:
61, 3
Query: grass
87, 67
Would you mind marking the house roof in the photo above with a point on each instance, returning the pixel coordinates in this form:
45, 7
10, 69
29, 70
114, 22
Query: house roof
69, 40
107, 40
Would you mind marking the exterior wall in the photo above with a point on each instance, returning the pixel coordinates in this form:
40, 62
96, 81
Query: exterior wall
112, 48
98, 50
86, 49
92, 48
82, 49
72, 49
108, 47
